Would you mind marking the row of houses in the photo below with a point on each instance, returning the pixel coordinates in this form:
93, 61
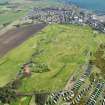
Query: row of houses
70, 96
65, 16
96, 24
93, 98
54, 15
80, 92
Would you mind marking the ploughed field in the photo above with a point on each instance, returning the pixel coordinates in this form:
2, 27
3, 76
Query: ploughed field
16, 36
63, 48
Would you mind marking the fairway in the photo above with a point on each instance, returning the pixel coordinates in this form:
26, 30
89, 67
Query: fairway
62, 47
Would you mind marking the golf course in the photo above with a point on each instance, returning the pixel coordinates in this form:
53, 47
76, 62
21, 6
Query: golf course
63, 48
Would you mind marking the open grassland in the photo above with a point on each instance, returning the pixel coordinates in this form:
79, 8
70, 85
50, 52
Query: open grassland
23, 101
11, 16
64, 48
8, 15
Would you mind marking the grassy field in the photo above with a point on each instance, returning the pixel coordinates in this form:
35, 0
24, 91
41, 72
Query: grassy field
64, 48
11, 16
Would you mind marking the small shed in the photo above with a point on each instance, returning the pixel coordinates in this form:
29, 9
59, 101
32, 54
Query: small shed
26, 70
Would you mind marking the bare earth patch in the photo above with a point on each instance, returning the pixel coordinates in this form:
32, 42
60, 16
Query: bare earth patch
15, 37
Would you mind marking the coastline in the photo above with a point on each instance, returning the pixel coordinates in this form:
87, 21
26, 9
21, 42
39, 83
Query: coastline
98, 15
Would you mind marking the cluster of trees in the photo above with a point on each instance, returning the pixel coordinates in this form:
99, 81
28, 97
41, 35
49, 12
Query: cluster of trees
95, 77
99, 62
100, 59
40, 99
7, 95
39, 68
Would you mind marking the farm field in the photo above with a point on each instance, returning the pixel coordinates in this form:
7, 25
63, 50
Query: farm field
14, 37
63, 48
11, 16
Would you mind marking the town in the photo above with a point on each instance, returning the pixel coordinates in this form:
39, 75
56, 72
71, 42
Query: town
66, 16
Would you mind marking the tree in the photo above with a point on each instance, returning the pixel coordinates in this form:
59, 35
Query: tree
7, 95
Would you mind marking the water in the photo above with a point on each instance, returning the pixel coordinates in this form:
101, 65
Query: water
94, 5
3, 1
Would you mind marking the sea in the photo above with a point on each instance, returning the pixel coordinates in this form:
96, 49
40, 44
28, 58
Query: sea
97, 6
